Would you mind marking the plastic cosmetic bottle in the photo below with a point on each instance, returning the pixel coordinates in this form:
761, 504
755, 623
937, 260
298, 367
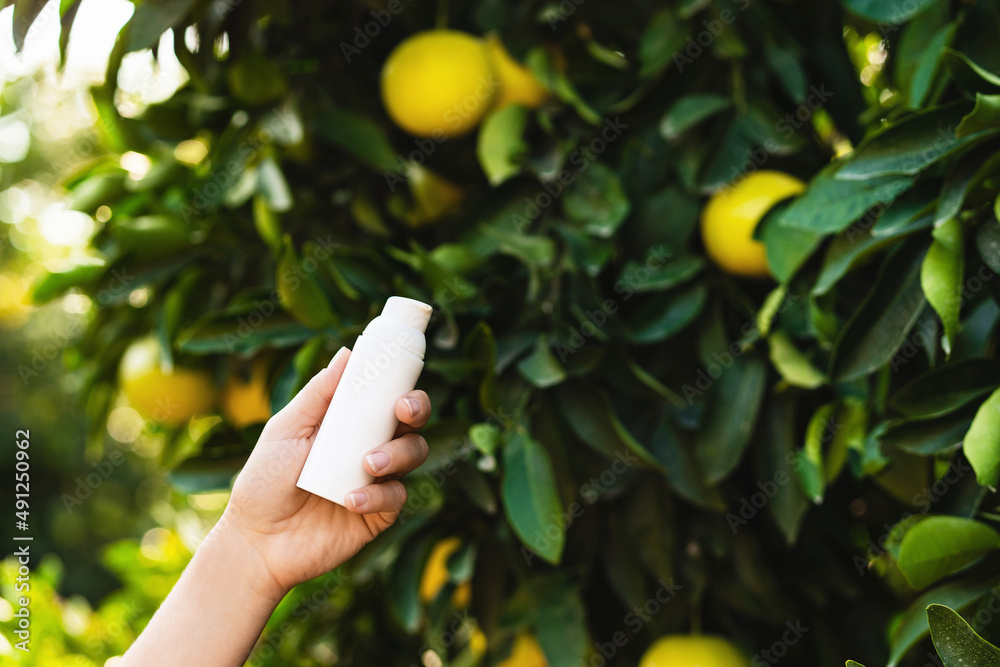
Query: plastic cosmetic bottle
384, 364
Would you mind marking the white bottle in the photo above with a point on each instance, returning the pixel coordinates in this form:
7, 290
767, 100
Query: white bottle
384, 364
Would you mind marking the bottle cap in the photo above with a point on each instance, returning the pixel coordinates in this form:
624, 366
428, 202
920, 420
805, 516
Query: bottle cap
408, 311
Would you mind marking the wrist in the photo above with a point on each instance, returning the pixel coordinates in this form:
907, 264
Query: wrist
228, 543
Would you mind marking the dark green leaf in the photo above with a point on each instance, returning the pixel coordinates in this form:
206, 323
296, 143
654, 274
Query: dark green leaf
689, 111
945, 389
909, 146
830, 204
255, 79
789, 504
152, 18
51, 285
530, 496
540, 368
562, 627
888, 12
957, 644
664, 36
665, 315
597, 201
880, 325
670, 273
359, 136
592, 418
299, 292
233, 333
729, 420
984, 116
25, 13
938, 546
682, 470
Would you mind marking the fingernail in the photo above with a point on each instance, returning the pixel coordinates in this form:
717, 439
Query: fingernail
378, 460
340, 352
413, 405
358, 499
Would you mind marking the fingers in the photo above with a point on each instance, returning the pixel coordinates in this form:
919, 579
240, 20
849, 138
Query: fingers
397, 457
306, 410
412, 410
385, 497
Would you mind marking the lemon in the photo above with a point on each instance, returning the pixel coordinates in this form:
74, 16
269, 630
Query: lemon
729, 219
517, 83
526, 653
246, 400
693, 651
438, 83
165, 395
478, 643
436, 574
433, 196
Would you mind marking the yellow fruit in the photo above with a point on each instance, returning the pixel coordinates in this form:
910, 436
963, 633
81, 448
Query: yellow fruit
478, 643
729, 219
436, 574
433, 196
526, 653
165, 395
438, 83
518, 85
693, 651
246, 400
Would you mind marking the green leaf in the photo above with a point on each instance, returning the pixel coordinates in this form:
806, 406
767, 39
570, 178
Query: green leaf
540, 368
592, 418
941, 545
810, 464
199, 475
928, 437
913, 625
941, 277
794, 367
152, 18
689, 111
25, 13
956, 642
852, 247
947, 388
984, 116
562, 627
299, 292
85, 273
729, 419
666, 314
909, 146
152, 235
888, 12
231, 332
360, 136
667, 274
881, 324
831, 204
663, 37
775, 459
530, 496
500, 146
969, 74
597, 201
787, 248
988, 243
255, 79
531, 249
682, 470
852, 663
982, 441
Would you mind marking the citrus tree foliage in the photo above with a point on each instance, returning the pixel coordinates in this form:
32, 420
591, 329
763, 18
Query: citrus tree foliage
617, 422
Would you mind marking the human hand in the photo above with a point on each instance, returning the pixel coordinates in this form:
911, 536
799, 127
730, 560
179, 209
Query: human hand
298, 535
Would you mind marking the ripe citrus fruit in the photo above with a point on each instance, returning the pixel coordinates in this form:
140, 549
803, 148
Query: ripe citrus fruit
246, 400
438, 83
517, 83
161, 393
526, 653
433, 196
693, 651
436, 574
729, 219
